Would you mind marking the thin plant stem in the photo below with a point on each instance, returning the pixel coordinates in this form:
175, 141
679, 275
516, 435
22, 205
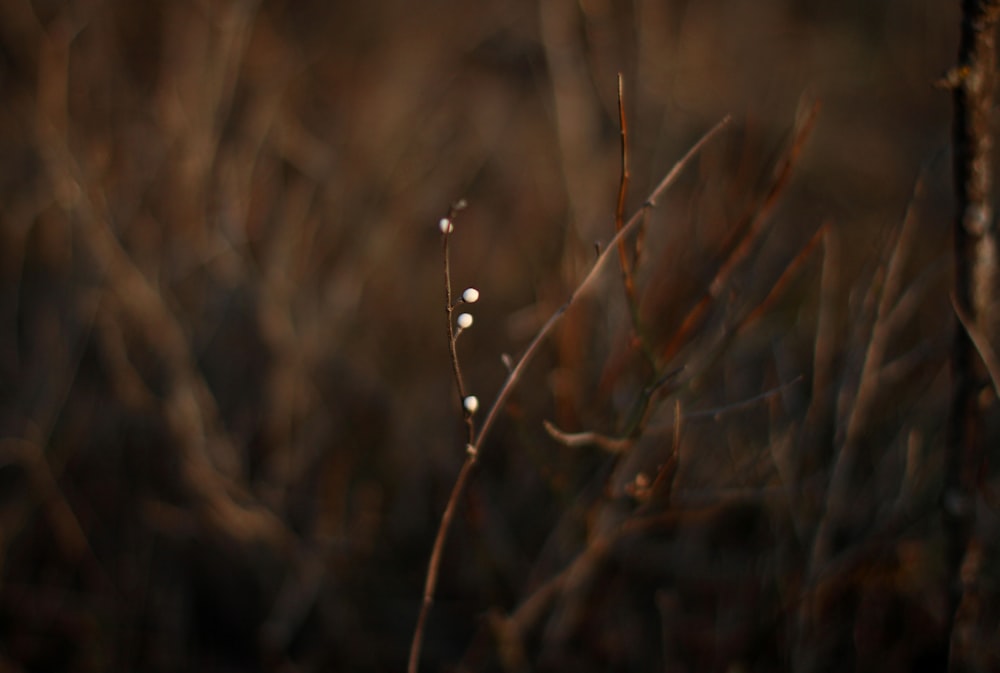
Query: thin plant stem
976, 244
629, 265
474, 447
450, 306
623, 259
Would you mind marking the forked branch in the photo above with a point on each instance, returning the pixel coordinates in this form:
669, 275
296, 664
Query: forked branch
514, 376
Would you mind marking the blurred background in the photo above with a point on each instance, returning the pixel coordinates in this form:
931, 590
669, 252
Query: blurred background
229, 426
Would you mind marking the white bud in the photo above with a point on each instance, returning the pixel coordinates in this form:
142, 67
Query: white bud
471, 403
470, 296
446, 226
465, 320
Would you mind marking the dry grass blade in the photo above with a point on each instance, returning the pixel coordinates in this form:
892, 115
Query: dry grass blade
825, 341
888, 318
786, 276
891, 307
894, 307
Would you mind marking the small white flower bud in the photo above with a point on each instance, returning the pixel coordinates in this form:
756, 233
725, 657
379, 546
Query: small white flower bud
470, 296
465, 320
471, 403
446, 226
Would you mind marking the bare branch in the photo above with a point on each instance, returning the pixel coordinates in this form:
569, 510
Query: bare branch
516, 372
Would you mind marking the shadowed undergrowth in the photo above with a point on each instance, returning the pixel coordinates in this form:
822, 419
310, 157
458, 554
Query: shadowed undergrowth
229, 425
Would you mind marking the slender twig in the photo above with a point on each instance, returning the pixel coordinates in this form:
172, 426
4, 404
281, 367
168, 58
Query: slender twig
588, 438
663, 485
629, 265
718, 413
780, 285
450, 306
514, 376
623, 259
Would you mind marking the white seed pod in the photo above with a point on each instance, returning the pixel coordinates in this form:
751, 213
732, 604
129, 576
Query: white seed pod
464, 320
471, 404
470, 296
446, 225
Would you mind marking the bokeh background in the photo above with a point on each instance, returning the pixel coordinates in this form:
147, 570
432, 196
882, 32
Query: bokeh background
228, 424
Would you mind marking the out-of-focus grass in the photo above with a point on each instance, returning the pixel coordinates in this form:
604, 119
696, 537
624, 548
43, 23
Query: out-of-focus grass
228, 427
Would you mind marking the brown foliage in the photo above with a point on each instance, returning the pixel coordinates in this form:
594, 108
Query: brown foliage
229, 427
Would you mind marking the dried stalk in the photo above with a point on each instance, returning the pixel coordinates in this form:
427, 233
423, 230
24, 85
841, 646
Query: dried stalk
516, 372
973, 84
